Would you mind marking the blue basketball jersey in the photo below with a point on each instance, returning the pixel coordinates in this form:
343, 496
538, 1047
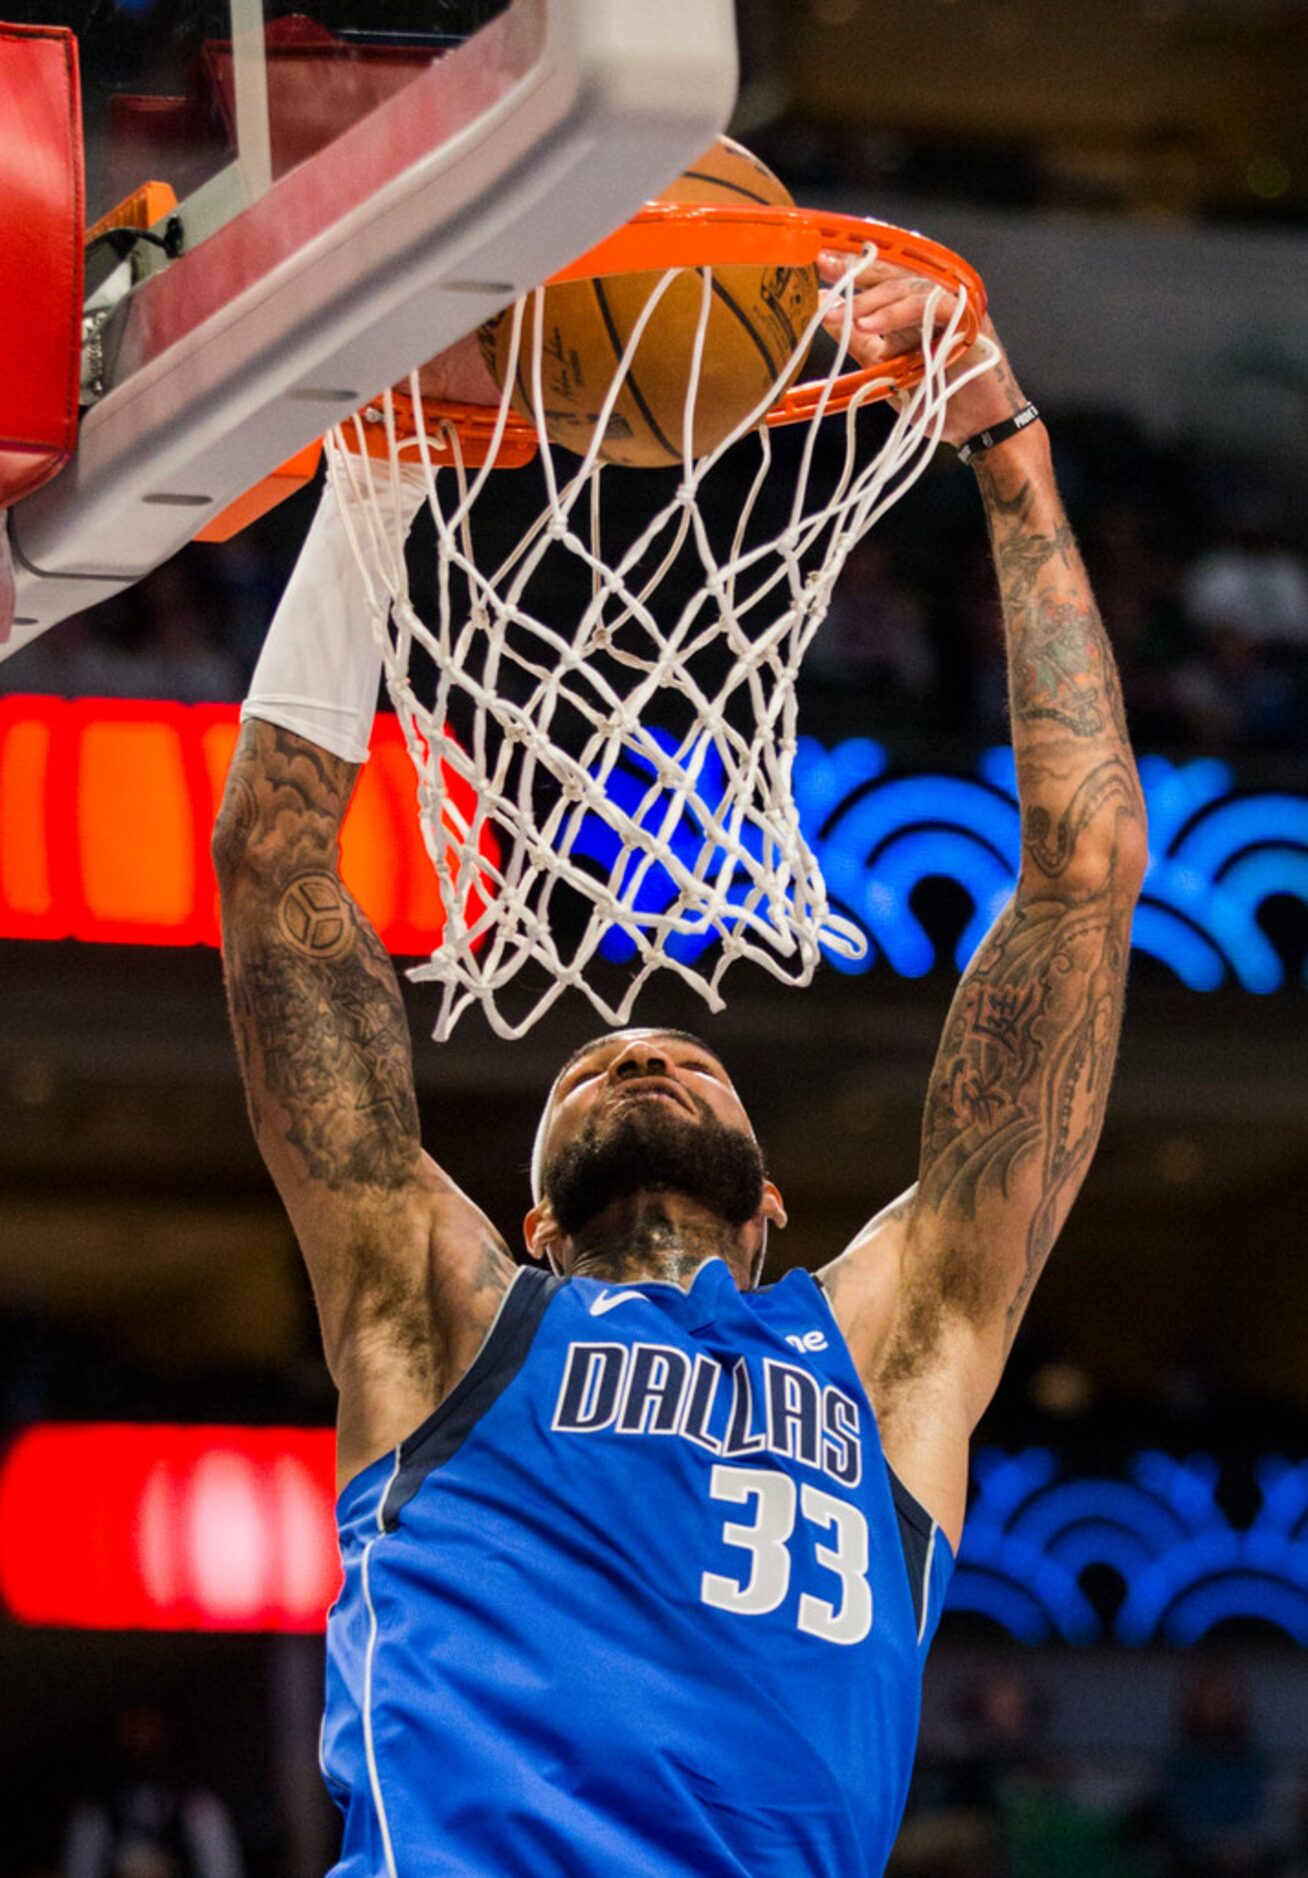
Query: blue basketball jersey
641, 1598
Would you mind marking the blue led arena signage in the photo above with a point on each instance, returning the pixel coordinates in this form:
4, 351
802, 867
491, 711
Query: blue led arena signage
1182, 1567
1217, 855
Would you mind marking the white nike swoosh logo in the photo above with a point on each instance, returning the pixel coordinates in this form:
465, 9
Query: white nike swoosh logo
609, 1301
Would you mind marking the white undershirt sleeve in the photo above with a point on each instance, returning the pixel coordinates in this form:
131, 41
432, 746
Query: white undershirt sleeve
320, 669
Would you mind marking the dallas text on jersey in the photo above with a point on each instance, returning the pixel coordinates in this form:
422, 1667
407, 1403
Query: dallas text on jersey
656, 1389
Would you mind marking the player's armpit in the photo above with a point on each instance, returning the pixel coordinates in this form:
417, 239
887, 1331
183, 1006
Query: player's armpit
922, 1418
413, 1324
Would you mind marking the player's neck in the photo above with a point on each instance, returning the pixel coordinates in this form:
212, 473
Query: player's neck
655, 1236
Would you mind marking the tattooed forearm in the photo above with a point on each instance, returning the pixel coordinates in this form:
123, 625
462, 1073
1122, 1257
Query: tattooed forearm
323, 1039
1063, 677
1020, 1085
1022, 552
284, 803
1062, 670
1021, 1081
319, 1021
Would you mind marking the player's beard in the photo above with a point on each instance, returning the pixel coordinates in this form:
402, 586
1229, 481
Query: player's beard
647, 1147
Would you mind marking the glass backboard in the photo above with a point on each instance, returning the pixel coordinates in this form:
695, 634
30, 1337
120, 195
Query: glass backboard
358, 184
188, 92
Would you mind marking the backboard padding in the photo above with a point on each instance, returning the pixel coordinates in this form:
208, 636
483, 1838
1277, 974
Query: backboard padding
41, 212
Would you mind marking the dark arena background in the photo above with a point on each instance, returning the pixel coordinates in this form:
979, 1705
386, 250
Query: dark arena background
1118, 1689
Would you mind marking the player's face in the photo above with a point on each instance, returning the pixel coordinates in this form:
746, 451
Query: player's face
640, 1069
648, 1110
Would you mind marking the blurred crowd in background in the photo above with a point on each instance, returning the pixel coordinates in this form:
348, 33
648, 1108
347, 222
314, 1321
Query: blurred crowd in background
991, 1799
1201, 574
1202, 580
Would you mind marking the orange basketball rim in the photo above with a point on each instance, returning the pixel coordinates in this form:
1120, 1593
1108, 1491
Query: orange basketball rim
666, 235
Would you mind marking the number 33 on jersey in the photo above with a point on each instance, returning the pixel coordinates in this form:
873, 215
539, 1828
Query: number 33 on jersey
673, 1501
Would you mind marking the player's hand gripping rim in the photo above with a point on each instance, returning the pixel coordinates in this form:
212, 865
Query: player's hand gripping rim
886, 307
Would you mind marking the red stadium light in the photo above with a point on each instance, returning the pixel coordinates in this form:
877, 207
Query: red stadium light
116, 1526
106, 811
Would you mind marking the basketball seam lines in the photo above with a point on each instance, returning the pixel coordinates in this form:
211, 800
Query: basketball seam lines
524, 389
636, 392
720, 293
720, 182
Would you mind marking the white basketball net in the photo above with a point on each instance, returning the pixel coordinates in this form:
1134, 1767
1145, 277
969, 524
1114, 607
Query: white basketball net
627, 767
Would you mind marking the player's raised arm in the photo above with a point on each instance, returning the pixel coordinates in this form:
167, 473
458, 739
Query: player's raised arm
405, 1270
932, 1294
1017, 1096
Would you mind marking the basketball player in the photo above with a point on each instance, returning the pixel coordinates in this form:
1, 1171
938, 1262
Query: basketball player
641, 1560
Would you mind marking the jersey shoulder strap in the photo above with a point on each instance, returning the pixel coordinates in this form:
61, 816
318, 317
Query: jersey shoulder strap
436, 1441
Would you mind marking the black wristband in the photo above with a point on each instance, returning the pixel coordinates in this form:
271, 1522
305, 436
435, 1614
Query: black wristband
998, 433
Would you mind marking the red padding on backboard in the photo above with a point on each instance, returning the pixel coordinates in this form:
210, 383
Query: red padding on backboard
41, 257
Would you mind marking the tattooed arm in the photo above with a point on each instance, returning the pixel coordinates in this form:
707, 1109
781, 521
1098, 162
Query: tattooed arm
406, 1272
931, 1294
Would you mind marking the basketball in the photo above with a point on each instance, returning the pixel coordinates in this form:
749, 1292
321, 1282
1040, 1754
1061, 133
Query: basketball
756, 320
